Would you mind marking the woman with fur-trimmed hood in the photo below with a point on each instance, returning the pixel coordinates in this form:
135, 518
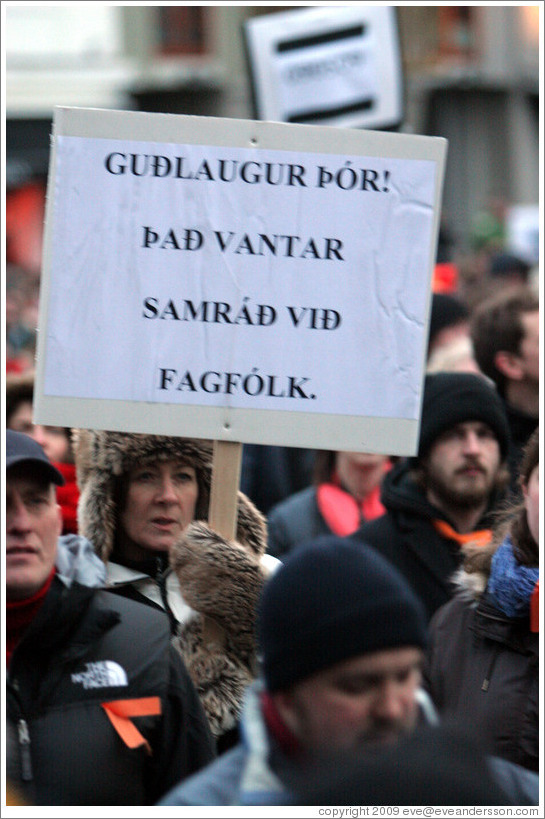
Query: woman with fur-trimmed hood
483, 657
144, 506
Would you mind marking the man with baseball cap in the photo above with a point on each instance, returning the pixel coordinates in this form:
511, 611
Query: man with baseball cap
446, 496
100, 709
341, 637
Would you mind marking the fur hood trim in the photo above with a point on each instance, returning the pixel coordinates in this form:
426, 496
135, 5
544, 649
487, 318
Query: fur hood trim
471, 579
104, 457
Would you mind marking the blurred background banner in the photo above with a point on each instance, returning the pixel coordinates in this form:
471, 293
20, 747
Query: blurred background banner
334, 66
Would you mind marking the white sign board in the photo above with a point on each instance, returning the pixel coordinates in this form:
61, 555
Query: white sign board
522, 229
333, 66
237, 280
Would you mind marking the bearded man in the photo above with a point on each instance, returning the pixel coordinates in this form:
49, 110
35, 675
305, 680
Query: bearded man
446, 496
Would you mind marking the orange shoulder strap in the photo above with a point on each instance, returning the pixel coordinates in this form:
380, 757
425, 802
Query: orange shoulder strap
120, 713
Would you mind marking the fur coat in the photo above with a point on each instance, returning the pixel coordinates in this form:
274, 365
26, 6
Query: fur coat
219, 579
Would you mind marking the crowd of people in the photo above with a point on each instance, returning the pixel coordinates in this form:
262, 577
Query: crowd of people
369, 636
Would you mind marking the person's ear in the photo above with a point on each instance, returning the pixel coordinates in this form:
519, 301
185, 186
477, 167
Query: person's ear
509, 365
59, 520
283, 701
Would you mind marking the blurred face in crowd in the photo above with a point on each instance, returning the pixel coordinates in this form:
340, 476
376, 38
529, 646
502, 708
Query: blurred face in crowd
33, 526
449, 335
366, 699
53, 440
160, 503
360, 472
531, 502
462, 466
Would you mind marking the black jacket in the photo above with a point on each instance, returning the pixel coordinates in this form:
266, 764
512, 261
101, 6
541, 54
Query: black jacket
482, 671
87, 647
406, 536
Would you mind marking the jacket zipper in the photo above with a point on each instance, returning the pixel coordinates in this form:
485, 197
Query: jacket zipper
486, 682
23, 734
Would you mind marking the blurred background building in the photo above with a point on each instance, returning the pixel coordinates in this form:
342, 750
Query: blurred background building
471, 74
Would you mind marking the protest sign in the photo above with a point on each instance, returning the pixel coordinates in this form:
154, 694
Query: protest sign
336, 65
237, 280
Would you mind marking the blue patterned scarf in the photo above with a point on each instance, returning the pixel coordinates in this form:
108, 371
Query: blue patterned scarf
510, 584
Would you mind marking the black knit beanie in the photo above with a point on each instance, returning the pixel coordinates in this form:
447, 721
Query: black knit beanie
332, 600
452, 398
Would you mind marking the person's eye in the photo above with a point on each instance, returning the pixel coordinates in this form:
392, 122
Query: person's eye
37, 501
355, 687
143, 476
183, 476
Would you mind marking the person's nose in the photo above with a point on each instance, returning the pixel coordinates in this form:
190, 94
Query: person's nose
39, 434
472, 444
17, 517
166, 491
389, 701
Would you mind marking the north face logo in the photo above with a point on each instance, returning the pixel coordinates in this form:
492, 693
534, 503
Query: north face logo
103, 674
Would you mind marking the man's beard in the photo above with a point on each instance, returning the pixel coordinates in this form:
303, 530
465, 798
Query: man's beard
468, 496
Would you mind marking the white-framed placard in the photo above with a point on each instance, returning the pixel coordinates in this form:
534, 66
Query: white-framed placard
332, 65
237, 280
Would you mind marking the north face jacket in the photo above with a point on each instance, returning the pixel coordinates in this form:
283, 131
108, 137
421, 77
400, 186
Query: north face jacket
406, 536
100, 708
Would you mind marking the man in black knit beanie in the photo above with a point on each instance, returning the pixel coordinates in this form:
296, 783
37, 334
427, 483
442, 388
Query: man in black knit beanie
446, 496
340, 636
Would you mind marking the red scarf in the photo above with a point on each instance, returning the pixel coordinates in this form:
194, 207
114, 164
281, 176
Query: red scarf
287, 740
342, 512
67, 498
21, 613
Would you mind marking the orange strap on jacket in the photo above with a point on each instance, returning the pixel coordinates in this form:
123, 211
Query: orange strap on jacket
120, 713
481, 537
534, 609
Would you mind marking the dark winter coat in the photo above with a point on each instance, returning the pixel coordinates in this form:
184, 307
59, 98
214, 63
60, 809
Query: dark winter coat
295, 520
86, 648
406, 536
483, 671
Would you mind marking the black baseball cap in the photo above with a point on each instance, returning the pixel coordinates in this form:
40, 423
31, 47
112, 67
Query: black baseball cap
21, 449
